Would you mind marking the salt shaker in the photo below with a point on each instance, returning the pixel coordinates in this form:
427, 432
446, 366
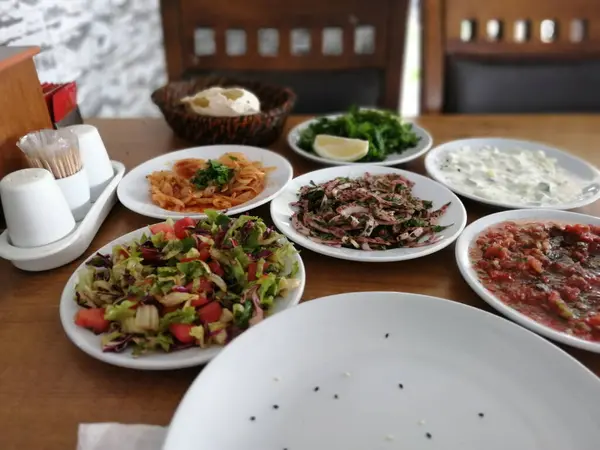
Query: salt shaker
35, 210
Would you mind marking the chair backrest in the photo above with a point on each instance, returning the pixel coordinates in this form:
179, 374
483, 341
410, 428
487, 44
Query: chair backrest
333, 53
510, 56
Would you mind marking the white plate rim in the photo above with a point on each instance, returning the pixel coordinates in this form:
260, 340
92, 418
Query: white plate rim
156, 212
421, 148
433, 171
392, 255
68, 307
464, 242
185, 408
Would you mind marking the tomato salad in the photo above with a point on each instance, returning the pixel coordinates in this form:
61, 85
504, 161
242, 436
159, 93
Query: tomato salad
188, 283
548, 271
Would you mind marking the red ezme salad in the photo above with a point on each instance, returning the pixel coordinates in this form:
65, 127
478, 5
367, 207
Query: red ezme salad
188, 283
548, 271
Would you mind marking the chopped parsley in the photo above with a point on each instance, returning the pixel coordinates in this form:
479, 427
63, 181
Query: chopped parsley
215, 174
383, 129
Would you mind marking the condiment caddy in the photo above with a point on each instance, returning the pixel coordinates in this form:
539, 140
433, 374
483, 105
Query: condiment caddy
54, 209
72, 246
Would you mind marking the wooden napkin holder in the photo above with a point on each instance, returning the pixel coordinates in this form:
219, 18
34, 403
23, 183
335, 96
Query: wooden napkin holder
22, 105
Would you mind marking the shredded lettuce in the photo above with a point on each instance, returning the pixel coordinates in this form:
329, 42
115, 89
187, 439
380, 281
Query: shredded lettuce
184, 315
268, 290
237, 224
191, 269
120, 312
237, 272
161, 340
295, 269
158, 240
242, 314
172, 249
198, 333
131, 266
109, 338
239, 254
216, 218
252, 241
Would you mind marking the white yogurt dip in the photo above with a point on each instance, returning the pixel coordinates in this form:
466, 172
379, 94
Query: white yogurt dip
522, 176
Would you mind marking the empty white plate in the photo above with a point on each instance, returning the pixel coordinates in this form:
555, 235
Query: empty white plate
385, 370
134, 189
90, 343
424, 188
463, 260
584, 171
392, 159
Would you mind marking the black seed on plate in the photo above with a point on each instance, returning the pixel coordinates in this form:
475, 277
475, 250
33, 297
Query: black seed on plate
335, 396
387, 335
400, 385
252, 418
481, 414
428, 435
316, 388
275, 406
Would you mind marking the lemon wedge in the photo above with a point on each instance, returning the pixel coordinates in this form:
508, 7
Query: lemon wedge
340, 148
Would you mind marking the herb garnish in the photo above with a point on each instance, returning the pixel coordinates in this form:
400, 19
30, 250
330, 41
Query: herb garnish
383, 129
215, 174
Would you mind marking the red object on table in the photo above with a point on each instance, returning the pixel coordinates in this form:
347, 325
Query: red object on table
61, 99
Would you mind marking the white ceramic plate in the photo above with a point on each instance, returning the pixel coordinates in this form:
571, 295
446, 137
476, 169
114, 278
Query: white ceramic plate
134, 189
424, 188
441, 365
465, 241
90, 343
392, 160
578, 167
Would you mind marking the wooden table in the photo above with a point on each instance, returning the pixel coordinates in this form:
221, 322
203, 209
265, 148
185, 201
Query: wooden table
48, 386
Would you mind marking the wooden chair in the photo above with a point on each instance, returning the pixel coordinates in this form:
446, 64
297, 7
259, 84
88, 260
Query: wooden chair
510, 56
320, 48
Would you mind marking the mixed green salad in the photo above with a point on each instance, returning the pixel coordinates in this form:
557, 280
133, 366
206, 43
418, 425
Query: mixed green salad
187, 283
383, 129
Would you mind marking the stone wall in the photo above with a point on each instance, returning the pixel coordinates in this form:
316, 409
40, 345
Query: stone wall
113, 48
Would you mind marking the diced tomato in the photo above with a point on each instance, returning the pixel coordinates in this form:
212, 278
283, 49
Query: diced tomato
570, 293
181, 227
181, 331
204, 254
495, 251
202, 245
252, 271
535, 264
594, 321
165, 228
205, 286
216, 268
496, 275
577, 228
162, 227
200, 302
210, 313
123, 253
92, 318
